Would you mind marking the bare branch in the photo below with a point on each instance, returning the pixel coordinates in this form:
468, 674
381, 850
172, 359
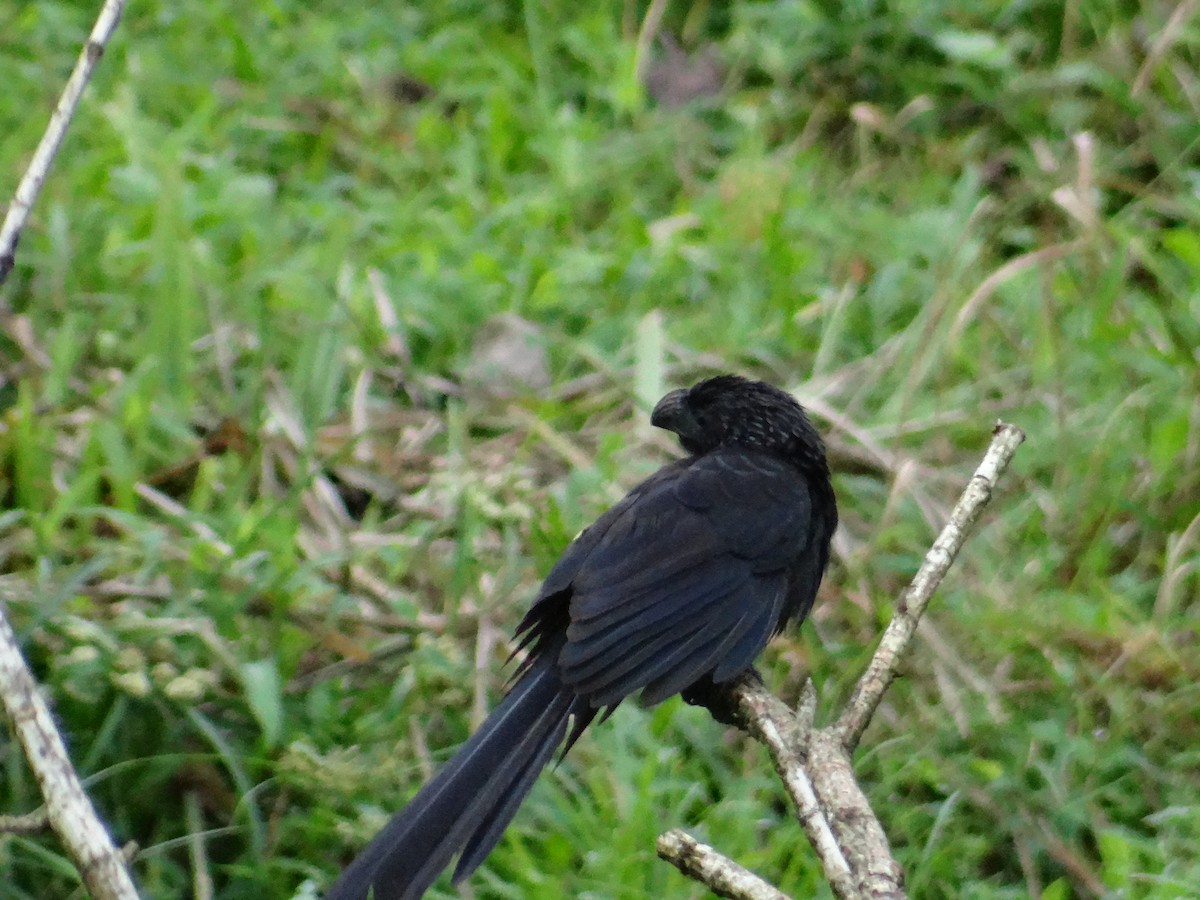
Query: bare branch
28, 823
859, 833
60, 120
68, 808
722, 875
882, 669
786, 736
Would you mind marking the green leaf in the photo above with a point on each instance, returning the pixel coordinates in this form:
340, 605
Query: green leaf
264, 693
976, 48
649, 362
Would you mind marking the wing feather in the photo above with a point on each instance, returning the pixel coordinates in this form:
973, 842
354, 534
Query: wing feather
687, 577
741, 655
625, 618
672, 654
701, 662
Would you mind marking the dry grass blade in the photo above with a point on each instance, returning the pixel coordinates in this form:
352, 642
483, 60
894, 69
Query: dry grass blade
1162, 44
1010, 269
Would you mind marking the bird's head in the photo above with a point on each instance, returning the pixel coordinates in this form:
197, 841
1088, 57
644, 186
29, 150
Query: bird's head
731, 411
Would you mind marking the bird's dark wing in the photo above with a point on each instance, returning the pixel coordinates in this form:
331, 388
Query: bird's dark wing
688, 576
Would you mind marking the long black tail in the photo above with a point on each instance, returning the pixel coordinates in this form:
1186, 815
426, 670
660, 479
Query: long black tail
467, 805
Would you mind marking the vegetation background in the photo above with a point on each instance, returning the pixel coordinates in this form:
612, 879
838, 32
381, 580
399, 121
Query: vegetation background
336, 321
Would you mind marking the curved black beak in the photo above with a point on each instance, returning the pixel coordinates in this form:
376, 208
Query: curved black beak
671, 411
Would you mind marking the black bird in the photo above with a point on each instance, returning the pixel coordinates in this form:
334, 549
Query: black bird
678, 586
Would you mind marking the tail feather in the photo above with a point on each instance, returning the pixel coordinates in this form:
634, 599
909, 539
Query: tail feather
470, 801
488, 834
480, 816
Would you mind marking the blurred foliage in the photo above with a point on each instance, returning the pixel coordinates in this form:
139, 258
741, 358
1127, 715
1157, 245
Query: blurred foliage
263, 540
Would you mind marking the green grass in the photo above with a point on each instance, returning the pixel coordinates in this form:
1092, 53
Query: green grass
264, 544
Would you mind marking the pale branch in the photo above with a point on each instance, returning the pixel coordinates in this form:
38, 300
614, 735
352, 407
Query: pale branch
28, 823
894, 644
816, 772
786, 735
68, 808
831, 808
60, 120
859, 833
719, 873
814, 764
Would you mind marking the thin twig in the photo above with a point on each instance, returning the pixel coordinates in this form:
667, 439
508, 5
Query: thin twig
722, 875
60, 120
882, 669
68, 808
34, 822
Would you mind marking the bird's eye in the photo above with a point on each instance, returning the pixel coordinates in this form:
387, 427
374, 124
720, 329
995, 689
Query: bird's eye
704, 418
